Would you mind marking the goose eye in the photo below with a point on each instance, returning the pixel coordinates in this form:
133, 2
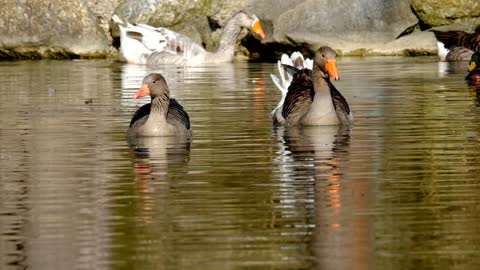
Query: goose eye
154, 82
323, 55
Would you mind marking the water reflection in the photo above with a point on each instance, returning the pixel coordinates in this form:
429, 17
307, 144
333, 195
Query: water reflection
457, 67
399, 190
321, 154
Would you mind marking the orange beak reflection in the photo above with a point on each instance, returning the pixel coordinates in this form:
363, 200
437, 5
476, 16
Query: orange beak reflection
143, 91
257, 28
331, 68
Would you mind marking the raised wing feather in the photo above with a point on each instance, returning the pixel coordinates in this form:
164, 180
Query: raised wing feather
458, 38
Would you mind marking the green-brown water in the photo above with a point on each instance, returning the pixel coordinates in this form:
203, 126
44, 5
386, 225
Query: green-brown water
400, 190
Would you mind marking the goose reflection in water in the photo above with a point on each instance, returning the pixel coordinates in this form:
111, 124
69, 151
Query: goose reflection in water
154, 158
322, 153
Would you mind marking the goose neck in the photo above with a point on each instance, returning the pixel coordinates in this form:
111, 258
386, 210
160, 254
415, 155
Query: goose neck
226, 47
160, 105
320, 79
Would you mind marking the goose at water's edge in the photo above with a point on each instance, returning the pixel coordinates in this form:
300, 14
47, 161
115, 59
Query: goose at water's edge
144, 44
311, 98
457, 45
164, 116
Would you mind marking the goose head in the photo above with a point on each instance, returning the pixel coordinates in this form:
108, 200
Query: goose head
154, 85
250, 21
474, 62
325, 60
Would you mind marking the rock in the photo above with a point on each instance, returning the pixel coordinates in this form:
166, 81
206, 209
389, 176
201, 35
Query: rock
103, 12
49, 29
444, 12
347, 26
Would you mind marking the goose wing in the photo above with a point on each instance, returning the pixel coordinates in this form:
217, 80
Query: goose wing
458, 53
299, 97
140, 113
452, 39
340, 104
144, 40
177, 116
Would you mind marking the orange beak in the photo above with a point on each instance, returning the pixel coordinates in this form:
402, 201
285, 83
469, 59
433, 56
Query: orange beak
143, 91
257, 28
331, 68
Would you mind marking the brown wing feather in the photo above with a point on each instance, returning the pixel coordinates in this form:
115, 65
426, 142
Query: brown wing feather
140, 113
340, 104
176, 115
299, 97
458, 38
459, 54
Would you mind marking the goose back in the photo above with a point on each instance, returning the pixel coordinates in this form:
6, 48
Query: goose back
452, 39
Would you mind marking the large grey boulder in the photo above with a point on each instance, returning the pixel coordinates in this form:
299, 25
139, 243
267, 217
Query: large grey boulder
49, 29
352, 27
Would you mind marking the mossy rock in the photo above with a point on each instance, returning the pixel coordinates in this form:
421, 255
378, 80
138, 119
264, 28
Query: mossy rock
443, 12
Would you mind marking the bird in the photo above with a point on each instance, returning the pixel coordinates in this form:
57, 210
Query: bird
311, 98
457, 45
144, 44
296, 60
164, 116
473, 76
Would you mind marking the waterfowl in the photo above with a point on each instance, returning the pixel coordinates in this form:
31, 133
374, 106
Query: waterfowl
457, 45
164, 116
311, 98
473, 76
144, 44
295, 60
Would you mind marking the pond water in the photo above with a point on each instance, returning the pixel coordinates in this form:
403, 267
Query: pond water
400, 190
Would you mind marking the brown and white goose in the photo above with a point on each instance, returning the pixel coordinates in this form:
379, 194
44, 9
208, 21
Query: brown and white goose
144, 44
164, 116
457, 45
311, 98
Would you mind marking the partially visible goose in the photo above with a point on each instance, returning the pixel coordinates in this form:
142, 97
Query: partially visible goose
311, 98
144, 44
164, 116
473, 76
457, 45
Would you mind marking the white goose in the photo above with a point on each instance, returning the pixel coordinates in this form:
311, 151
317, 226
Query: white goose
144, 44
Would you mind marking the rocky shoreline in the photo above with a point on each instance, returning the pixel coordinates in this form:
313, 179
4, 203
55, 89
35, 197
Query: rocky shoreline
57, 29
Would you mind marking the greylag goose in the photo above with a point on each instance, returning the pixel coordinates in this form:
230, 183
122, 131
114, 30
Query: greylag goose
457, 45
164, 116
311, 98
473, 76
144, 44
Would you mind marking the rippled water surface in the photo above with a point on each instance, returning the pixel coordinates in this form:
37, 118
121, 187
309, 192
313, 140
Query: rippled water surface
400, 190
